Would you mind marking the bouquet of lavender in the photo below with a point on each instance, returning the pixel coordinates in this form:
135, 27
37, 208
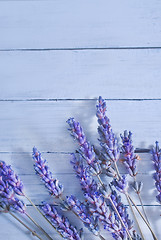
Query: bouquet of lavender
102, 207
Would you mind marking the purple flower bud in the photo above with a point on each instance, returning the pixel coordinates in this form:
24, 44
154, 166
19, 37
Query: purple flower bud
8, 198
122, 209
99, 208
156, 157
86, 150
137, 186
17, 204
87, 182
130, 158
136, 236
83, 212
121, 185
9, 176
41, 168
10, 185
107, 139
61, 223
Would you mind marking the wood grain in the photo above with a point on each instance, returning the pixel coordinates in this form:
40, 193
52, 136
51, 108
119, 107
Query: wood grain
44, 123
56, 58
121, 74
79, 24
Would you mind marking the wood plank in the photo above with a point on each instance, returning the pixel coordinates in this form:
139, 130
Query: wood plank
16, 230
80, 74
32, 24
44, 123
60, 163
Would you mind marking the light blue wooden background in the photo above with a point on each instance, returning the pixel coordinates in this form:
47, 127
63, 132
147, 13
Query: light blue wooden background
56, 58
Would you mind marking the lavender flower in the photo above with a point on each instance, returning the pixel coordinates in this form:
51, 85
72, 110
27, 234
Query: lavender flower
87, 182
130, 158
82, 211
107, 138
156, 154
41, 168
122, 209
7, 197
136, 236
86, 149
98, 207
94, 196
61, 223
12, 179
120, 184
105, 163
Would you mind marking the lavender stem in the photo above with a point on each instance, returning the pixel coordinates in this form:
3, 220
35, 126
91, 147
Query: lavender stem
33, 232
147, 223
38, 225
120, 218
141, 202
113, 205
117, 170
101, 237
126, 194
47, 235
134, 216
142, 207
155, 238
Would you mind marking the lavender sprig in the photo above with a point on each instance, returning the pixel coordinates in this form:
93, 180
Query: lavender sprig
8, 198
120, 184
83, 212
130, 162
62, 225
41, 168
10, 186
88, 184
156, 157
86, 149
98, 207
130, 158
107, 138
94, 196
122, 209
56, 189
11, 178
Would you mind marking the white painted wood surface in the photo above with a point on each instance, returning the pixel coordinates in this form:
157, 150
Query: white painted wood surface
71, 74
80, 24
56, 58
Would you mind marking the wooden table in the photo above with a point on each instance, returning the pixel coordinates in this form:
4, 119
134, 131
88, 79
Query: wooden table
56, 58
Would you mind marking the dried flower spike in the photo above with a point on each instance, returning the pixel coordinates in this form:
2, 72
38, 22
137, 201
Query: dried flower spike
99, 208
122, 209
84, 214
62, 225
130, 158
10, 185
120, 184
11, 178
86, 149
107, 139
42, 169
156, 155
82, 172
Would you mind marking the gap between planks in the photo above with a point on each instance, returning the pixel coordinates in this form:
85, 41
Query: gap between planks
78, 49
76, 99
